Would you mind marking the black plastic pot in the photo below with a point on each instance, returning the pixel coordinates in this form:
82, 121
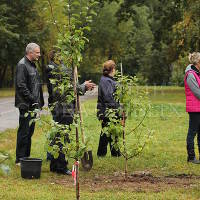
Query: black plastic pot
30, 168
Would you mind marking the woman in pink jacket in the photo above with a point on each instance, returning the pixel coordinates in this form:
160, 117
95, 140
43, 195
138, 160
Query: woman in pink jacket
192, 93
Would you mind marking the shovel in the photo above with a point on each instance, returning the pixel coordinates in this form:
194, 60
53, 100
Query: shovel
87, 159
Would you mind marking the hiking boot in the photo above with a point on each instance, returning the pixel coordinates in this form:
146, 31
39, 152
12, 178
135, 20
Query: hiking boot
194, 161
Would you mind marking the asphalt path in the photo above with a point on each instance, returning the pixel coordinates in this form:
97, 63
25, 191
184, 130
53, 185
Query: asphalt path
9, 115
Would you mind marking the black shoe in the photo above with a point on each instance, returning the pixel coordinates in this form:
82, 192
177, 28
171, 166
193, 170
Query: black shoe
17, 162
68, 172
64, 172
194, 161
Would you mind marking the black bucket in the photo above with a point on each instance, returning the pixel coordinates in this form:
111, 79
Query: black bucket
30, 167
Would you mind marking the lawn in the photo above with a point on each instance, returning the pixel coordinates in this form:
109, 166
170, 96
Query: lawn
160, 172
10, 92
7, 92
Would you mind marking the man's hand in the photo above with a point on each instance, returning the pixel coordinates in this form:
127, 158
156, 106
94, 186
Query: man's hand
89, 85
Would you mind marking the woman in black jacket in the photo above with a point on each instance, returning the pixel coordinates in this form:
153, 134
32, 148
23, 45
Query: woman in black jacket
106, 100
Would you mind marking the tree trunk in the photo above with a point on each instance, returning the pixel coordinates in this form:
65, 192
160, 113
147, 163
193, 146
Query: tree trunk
77, 166
12, 77
43, 67
110, 54
126, 169
125, 150
75, 72
2, 75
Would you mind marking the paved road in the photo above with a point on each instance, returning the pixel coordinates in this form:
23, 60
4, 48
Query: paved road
9, 114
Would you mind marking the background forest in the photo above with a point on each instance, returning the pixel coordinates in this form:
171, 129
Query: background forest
151, 38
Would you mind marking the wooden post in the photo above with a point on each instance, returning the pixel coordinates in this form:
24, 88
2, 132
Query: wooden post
75, 72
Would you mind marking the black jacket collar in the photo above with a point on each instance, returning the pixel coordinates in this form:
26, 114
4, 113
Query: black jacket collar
30, 62
109, 77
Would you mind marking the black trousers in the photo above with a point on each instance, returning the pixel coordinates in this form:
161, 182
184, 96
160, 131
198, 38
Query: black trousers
193, 130
59, 164
24, 134
103, 143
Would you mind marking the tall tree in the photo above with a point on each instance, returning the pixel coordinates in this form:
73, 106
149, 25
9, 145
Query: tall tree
21, 16
162, 15
186, 39
8, 34
22, 24
106, 41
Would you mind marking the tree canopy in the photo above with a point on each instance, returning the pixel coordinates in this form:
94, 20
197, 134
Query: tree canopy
151, 38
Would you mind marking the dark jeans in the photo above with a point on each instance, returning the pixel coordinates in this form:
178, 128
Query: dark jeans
194, 129
24, 134
59, 164
103, 143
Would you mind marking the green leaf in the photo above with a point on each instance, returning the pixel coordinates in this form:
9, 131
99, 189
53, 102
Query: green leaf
31, 121
92, 12
26, 114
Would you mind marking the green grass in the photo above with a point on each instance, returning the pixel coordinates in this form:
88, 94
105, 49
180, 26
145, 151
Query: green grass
164, 157
7, 92
10, 92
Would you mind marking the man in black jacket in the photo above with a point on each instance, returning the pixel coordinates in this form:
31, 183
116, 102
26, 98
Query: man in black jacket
28, 96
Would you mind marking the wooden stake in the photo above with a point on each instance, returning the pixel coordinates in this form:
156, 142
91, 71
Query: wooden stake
77, 133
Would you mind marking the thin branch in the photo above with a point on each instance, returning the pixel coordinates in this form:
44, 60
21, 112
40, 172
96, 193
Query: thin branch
69, 16
53, 17
136, 154
3, 160
139, 137
123, 155
140, 122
